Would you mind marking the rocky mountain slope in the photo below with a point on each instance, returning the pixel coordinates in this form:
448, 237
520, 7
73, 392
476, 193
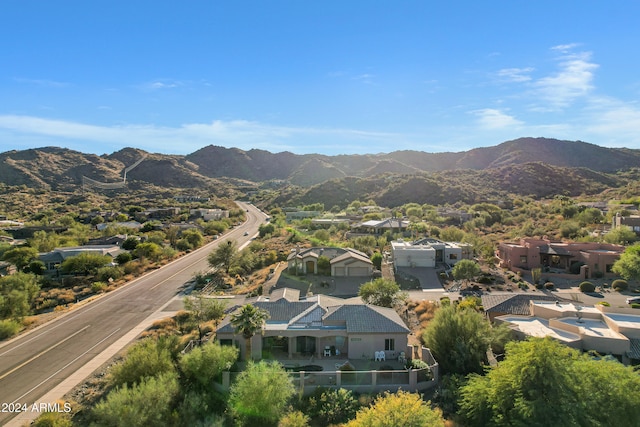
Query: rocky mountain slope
527, 166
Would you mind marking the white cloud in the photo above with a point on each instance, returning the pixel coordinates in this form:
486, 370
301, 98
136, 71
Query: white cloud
573, 80
517, 75
190, 137
490, 118
42, 82
160, 84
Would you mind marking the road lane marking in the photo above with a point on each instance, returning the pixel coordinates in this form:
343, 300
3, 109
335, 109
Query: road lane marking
67, 365
3, 376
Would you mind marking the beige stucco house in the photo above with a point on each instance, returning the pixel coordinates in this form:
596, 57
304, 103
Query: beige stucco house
345, 262
321, 326
606, 330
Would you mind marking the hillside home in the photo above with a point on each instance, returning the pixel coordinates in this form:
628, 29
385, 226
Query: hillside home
428, 252
157, 213
295, 215
209, 214
345, 262
378, 227
53, 259
631, 221
321, 326
606, 330
559, 257
132, 225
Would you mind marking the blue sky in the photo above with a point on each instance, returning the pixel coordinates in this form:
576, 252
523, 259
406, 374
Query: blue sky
332, 77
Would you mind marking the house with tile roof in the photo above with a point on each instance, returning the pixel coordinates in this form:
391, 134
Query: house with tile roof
321, 326
515, 304
52, 260
345, 262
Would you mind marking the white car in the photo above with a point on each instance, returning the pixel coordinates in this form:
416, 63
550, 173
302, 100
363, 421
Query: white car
633, 300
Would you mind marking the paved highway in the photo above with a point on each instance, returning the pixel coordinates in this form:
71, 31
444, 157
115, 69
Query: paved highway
33, 364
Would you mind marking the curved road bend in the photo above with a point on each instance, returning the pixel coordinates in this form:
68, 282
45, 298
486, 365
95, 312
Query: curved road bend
33, 364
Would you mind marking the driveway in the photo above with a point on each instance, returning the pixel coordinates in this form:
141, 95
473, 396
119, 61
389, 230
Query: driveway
428, 277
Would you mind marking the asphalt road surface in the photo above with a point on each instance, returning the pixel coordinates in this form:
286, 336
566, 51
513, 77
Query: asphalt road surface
33, 364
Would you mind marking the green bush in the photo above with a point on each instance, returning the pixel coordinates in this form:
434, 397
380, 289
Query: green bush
587, 287
549, 285
8, 328
604, 303
53, 419
635, 305
597, 274
332, 406
620, 285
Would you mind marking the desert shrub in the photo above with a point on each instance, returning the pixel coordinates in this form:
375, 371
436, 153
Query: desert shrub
294, 419
332, 406
549, 285
539, 285
418, 364
9, 328
604, 303
53, 419
587, 287
485, 280
620, 285
597, 274
97, 287
635, 305
147, 358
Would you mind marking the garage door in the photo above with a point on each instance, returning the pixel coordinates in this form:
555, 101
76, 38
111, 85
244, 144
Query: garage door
339, 271
358, 271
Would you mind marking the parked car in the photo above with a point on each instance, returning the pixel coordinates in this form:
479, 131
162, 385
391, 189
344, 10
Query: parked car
246, 233
633, 300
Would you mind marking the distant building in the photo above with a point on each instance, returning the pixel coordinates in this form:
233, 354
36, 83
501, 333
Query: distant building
157, 213
559, 257
209, 214
631, 221
395, 225
53, 259
428, 252
328, 222
291, 216
183, 199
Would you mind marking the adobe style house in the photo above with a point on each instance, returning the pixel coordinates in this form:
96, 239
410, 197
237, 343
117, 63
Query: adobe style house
606, 330
345, 262
559, 257
321, 326
428, 252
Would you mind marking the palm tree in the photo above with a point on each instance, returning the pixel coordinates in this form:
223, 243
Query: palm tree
248, 321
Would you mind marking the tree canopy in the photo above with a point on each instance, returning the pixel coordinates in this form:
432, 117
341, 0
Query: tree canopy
459, 339
85, 263
260, 394
381, 292
543, 382
465, 269
225, 255
628, 265
17, 292
398, 409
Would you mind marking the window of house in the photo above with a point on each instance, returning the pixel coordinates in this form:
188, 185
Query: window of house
523, 259
389, 344
608, 268
453, 256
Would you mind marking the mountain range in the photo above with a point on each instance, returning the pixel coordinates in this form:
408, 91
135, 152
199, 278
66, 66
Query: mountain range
526, 166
